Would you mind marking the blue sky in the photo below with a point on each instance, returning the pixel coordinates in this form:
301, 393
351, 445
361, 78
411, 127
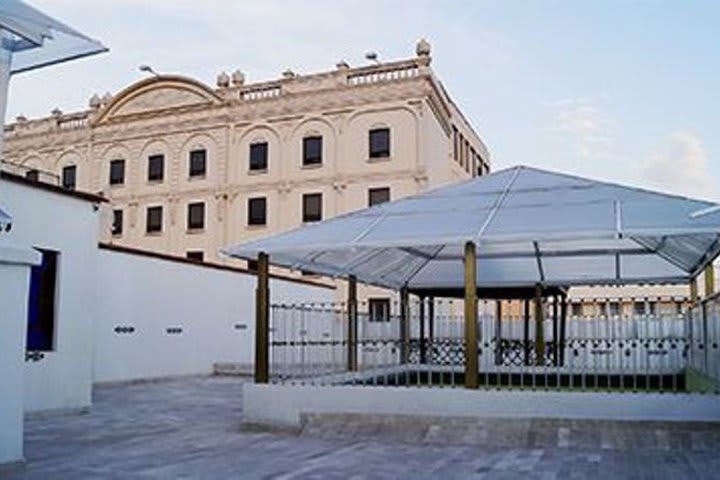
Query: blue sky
624, 91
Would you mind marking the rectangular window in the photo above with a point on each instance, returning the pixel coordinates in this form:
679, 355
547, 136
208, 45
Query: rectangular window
257, 214
196, 216
69, 177
312, 207
312, 150
376, 196
639, 308
156, 168
196, 255
197, 163
577, 309
154, 220
117, 172
379, 143
33, 175
614, 309
41, 303
379, 310
259, 156
117, 225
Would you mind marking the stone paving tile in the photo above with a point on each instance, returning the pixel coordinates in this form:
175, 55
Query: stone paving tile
191, 428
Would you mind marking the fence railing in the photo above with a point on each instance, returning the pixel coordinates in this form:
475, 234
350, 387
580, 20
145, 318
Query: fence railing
660, 351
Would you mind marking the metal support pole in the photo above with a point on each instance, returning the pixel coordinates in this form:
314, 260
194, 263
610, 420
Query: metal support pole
556, 343
539, 327
526, 333
262, 320
352, 335
709, 275
563, 323
471, 309
423, 353
431, 325
404, 325
498, 333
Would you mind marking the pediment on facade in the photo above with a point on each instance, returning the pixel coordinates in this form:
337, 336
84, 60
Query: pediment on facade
158, 94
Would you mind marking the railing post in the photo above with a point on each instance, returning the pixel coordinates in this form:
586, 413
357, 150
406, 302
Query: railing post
471, 329
262, 320
498, 333
563, 326
352, 340
526, 345
422, 330
404, 325
539, 327
431, 325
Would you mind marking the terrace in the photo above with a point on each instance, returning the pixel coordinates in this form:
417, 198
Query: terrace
482, 270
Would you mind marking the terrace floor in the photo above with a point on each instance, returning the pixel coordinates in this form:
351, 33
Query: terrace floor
190, 428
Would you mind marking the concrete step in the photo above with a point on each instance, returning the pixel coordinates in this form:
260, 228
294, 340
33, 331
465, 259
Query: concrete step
517, 433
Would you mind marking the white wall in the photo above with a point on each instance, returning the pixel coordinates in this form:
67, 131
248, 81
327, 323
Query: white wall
215, 309
55, 221
14, 283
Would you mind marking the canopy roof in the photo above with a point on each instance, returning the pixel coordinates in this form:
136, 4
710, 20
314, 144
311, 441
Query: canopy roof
530, 226
37, 40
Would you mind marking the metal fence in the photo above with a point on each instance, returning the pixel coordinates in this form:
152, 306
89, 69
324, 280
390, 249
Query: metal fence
665, 349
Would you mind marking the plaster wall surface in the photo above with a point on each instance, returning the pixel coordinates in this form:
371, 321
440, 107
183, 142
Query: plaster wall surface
159, 318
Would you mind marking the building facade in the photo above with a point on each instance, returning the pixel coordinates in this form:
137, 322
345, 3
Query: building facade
189, 169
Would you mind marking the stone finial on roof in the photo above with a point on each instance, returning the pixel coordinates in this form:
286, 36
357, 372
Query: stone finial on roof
342, 65
223, 80
21, 119
238, 78
95, 101
288, 74
422, 48
56, 112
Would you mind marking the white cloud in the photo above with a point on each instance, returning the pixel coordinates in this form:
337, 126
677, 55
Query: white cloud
581, 122
681, 166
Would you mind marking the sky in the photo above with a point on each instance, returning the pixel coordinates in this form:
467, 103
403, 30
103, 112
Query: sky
616, 90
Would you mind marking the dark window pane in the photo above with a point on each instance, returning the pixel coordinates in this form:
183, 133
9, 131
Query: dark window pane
33, 175
156, 168
376, 196
380, 143
257, 211
154, 219
197, 255
379, 309
196, 216
312, 207
577, 310
258, 156
117, 172
41, 303
117, 225
312, 150
197, 163
69, 177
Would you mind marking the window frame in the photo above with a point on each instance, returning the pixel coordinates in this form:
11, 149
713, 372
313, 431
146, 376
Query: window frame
378, 190
379, 153
195, 226
251, 222
312, 161
115, 229
384, 304
63, 177
159, 229
252, 167
153, 160
192, 158
118, 163
309, 197
39, 306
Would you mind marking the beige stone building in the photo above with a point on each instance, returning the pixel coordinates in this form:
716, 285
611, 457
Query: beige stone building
189, 168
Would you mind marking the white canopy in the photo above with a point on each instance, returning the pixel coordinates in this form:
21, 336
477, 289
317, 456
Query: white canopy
37, 40
530, 226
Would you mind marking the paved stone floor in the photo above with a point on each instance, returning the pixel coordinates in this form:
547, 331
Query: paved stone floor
190, 428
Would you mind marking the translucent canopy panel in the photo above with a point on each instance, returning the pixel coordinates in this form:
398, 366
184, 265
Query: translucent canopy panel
529, 225
36, 40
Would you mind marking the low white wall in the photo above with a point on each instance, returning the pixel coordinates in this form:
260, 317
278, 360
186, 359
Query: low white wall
214, 308
282, 405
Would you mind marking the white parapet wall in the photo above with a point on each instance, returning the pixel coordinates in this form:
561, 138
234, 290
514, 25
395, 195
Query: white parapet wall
283, 405
163, 317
